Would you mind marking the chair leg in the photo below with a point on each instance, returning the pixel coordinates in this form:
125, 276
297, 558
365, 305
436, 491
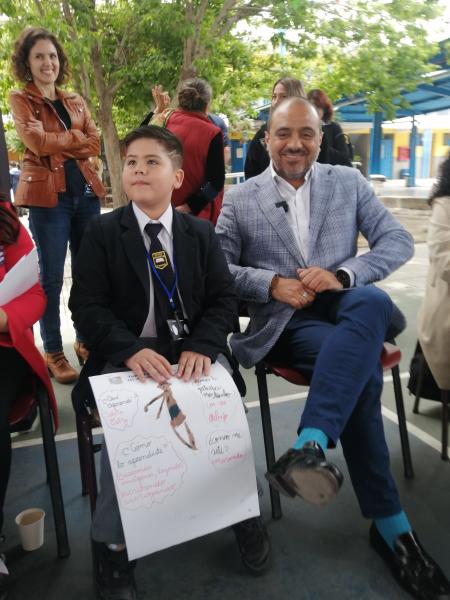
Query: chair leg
81, 458
51, 460
87, 460
404, 439
419, 384
445, 399
268, 435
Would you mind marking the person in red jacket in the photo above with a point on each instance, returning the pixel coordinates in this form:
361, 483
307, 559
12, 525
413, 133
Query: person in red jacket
19, 357
203, 161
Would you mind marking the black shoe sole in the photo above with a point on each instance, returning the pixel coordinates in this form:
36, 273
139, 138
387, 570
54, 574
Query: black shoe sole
318, 486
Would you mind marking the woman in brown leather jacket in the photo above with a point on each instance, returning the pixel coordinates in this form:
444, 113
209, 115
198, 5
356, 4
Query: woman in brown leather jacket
57, 183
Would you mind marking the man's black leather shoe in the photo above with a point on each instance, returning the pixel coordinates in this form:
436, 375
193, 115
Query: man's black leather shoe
254, 544
306, 473
413, 568
113, 574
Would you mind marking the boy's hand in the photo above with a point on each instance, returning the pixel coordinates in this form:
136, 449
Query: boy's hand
150, 362
193, 364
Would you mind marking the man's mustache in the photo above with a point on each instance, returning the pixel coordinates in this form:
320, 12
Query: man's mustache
298, 151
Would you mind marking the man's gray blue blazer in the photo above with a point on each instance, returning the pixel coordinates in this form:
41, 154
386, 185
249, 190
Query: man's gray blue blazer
259, 243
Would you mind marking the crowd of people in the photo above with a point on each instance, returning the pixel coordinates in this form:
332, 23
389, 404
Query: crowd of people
284, 244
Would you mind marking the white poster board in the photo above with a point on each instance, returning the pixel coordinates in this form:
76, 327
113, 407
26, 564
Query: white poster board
180, 474
23, 275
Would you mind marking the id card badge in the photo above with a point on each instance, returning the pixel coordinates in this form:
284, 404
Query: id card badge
178, 328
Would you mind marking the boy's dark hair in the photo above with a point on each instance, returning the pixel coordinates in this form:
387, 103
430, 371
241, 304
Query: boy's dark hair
22, 48
164, 137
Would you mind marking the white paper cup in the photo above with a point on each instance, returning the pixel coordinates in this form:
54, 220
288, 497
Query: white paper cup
31, 528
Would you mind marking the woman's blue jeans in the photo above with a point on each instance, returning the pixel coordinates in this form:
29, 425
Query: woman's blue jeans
52, 229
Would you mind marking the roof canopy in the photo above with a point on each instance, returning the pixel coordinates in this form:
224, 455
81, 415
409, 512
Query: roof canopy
432, 96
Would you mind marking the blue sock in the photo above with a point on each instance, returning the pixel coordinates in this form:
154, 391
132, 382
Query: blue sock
309, 434
391, 527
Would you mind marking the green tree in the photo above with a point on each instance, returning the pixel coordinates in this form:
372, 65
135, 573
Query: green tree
118, 48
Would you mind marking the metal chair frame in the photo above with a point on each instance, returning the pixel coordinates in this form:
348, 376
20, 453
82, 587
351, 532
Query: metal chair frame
52, 468
445, 399
390, 358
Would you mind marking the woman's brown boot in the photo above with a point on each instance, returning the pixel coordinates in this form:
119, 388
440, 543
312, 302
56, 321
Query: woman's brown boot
59, 368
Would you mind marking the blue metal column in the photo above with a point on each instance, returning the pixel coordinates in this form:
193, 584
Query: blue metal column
237, 156
412, 154
375, 144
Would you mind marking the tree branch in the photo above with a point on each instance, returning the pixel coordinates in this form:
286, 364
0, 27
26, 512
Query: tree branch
85, 84
39, 8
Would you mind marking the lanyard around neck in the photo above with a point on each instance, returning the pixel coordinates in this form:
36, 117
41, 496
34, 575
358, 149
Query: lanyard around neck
169, 293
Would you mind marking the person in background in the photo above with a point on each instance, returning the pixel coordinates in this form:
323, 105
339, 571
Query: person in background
220, 123
257, 159
162, 101
57, 182
335, 147
14, 173
19, 357
203, 163
434, 314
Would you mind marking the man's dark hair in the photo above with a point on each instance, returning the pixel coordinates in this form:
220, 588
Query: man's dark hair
22, 48
165, 138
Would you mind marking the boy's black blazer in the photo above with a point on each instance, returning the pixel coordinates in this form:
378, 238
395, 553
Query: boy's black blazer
110, 294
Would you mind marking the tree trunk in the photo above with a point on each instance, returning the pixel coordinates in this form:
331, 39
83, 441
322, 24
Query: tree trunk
112, 151
109, 131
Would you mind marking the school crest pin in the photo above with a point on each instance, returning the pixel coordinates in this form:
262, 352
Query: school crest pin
160, 260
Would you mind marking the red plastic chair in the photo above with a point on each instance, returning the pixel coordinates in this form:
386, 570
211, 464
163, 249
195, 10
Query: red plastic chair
390, 359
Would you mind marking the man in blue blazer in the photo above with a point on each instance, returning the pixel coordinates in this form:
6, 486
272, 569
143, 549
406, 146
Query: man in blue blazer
290, 239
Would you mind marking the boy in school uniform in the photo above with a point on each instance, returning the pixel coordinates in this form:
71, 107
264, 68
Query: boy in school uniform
151, 287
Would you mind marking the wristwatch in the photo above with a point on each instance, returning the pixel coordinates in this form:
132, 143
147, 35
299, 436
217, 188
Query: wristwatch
343, 277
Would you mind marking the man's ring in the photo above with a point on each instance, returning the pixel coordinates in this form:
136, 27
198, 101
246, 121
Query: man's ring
305, 294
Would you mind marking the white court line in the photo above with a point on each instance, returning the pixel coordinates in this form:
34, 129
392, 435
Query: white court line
386, 412
60, 437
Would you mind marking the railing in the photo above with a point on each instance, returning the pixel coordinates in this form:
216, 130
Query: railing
232, 178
